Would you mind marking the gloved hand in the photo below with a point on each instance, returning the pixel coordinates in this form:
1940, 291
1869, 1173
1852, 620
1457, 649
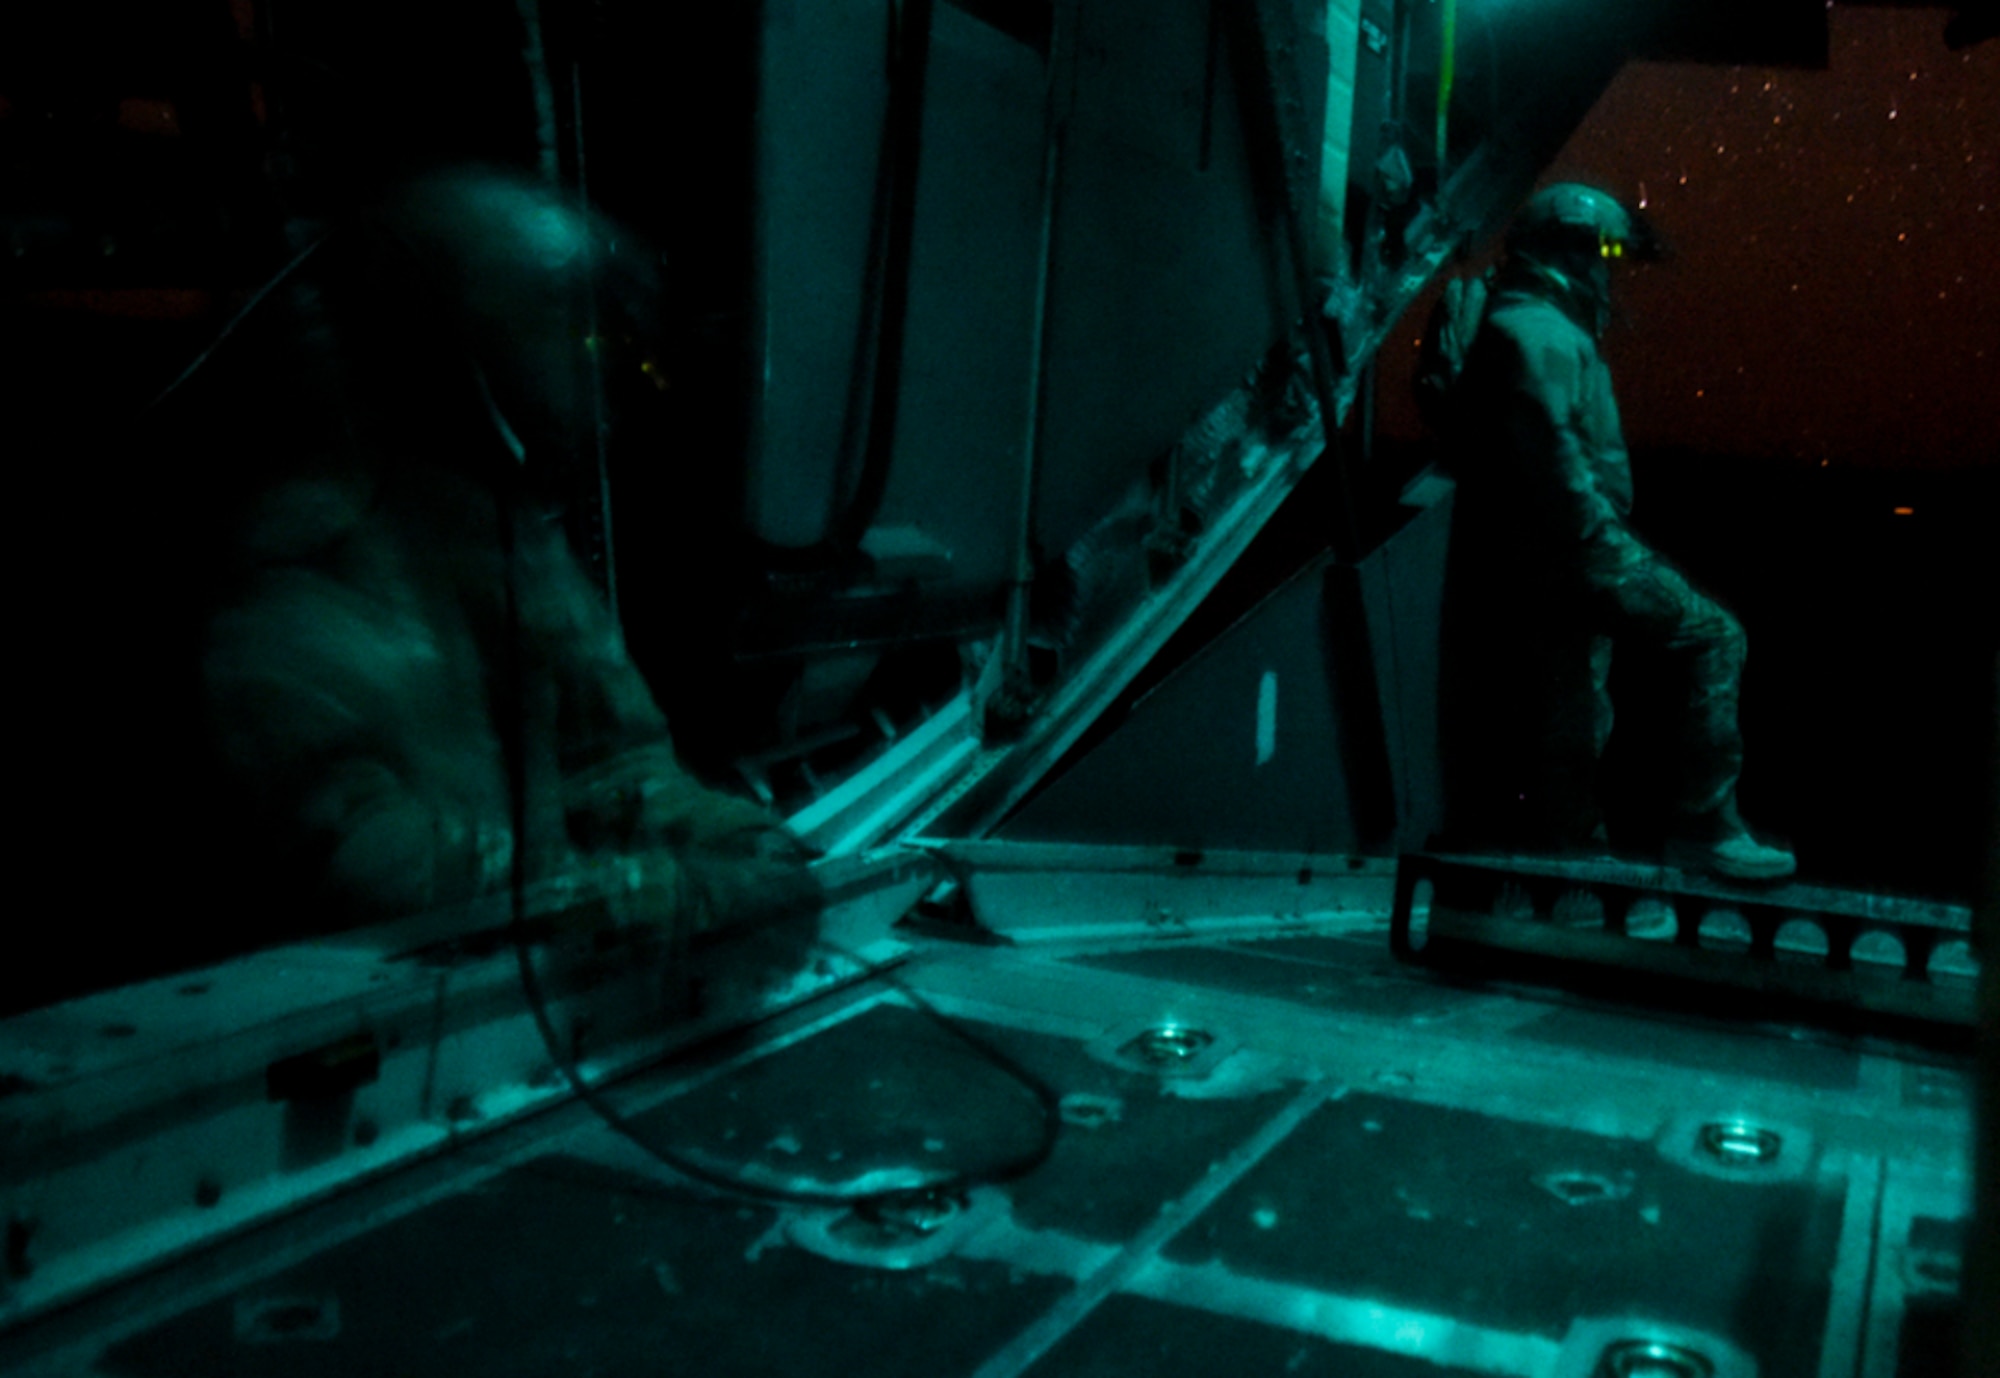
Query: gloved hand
736, 866
756, 877
643, 797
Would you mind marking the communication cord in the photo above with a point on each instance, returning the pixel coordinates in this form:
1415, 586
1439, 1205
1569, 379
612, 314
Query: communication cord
592, 1096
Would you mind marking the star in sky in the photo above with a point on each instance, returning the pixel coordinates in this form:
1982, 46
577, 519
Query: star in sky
1831, 297
1826, 300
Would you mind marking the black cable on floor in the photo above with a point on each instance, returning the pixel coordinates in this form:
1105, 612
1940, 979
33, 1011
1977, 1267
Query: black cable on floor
591, 1096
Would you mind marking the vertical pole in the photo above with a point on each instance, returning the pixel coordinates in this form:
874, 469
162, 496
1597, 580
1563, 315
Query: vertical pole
1023, 572
589, 479
594, 362
537, 60
1447, 73
1016, 688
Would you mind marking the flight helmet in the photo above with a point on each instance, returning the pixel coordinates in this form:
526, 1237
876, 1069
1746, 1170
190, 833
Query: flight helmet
1569, 221
1562, 245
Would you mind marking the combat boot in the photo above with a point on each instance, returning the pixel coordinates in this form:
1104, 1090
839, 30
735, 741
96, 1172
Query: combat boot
1720, 843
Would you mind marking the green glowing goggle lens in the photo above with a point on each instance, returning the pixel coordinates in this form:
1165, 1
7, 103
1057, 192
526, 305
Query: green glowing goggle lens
1611, 248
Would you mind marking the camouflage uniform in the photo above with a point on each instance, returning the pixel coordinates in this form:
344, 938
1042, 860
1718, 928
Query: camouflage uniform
411, 666
363, 692
1548, 576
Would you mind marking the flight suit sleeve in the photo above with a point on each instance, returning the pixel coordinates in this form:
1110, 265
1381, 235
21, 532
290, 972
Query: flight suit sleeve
625, 789
316, 692
1562, 427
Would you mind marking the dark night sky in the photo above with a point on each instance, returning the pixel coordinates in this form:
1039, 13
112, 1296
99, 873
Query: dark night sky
1832, 296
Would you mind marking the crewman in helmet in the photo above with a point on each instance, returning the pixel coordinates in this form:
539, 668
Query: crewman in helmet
413, 684
1548, 576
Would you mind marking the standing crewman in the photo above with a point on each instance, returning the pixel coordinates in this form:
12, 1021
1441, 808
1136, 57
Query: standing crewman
1547, 574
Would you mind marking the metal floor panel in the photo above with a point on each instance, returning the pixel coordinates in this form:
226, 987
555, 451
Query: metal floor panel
1689, 1048
1288, 1156
550, 1269
1522, 1229
1136, 1335
1249, 972
921, 1096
